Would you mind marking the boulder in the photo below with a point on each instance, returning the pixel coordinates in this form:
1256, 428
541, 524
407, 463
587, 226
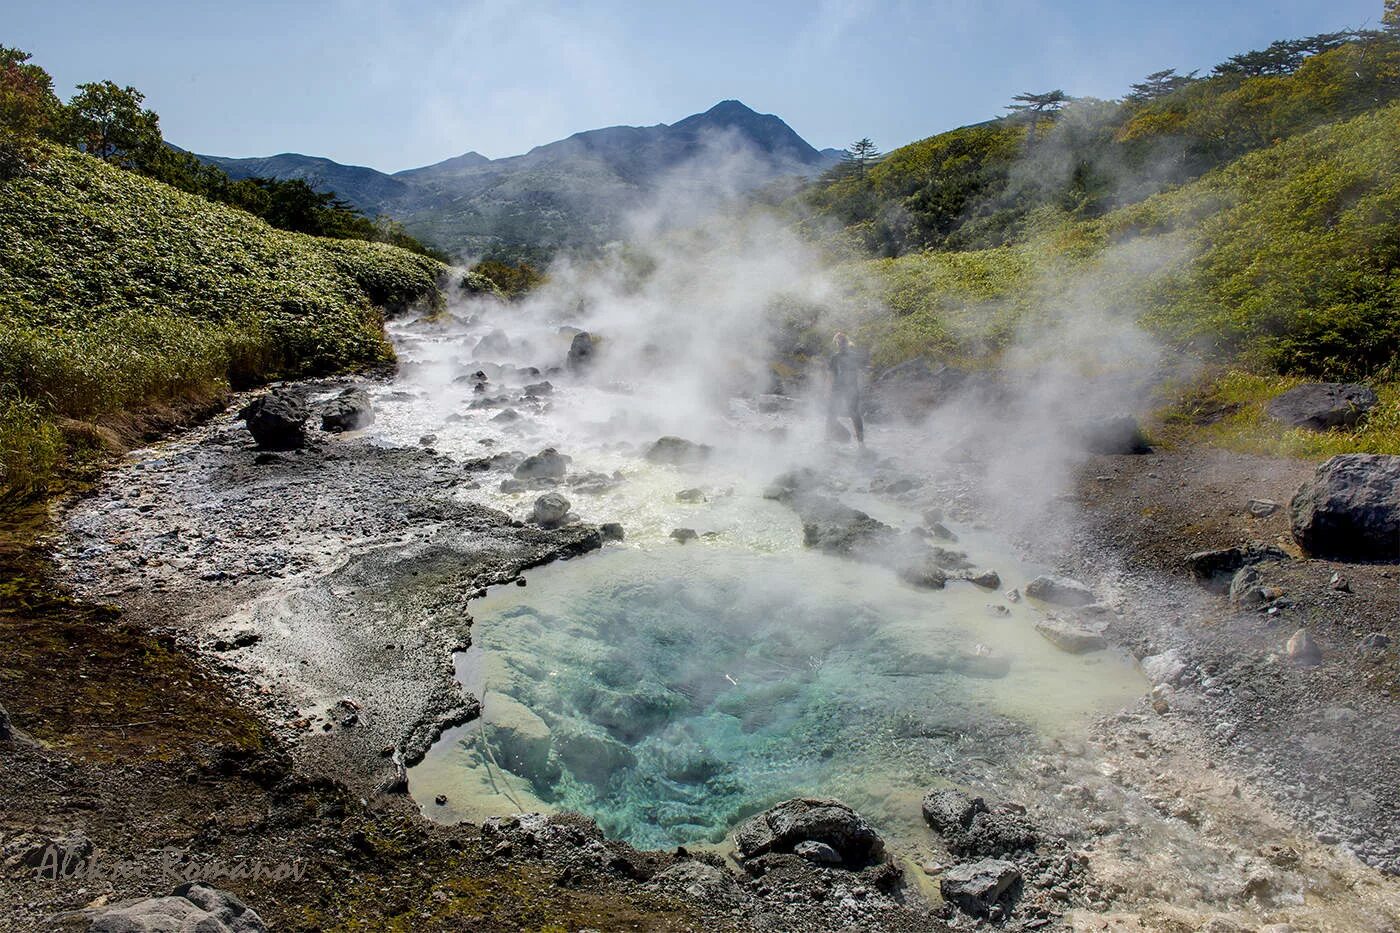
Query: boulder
1320, 406
550, 510
611, 531
538, 390
547, 464
1215, 569
277, 420
1118, 434
1060, 591
582, 349
698, 881
977, 887
348, 411
951, 811
833, 528
682, 535
818, 852
810, 819
678, 451
496, 343
691, 495
987, 579
1350, 509
506, 416
192, 906
1302, 650
1164, 668
1071, 636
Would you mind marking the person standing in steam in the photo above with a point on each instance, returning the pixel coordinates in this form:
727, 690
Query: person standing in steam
845, 366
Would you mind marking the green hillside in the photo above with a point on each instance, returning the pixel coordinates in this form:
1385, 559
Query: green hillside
1284, 263
979, 186
118, 292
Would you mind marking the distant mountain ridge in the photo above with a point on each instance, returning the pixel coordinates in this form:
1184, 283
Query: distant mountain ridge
576, 191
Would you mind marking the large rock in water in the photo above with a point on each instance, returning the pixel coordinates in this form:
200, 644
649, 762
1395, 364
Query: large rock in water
1350, 509
550, 510
348, 411
1061, 591
277, 420
977, 887
810, 819
547, 464
194, 907
678, 451
1319, 406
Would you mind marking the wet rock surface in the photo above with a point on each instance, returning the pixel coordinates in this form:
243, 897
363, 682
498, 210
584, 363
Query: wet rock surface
348, 411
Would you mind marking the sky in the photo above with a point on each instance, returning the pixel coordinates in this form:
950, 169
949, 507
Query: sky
395, 85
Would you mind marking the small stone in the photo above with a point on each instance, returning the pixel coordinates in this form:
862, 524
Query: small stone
440, 800
1060, 591
690, 495
611, 531
1071, 636
818, 852
1339, 583
682, 535
976, 887
1302, 650
1376, 641
1262, 508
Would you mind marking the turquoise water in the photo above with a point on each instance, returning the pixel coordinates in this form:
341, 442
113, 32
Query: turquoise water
670, 692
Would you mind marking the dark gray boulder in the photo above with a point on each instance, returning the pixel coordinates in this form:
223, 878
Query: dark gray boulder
1060, 591
978, 887
348, 411
612, 531
1117, 434
550, 510
1215, 569
834, 528
678, 451
538, 390
1320, 406
1350, 509
547, 464
810, 819
194, 907
582, 350
277, 420
496, 343
951, 811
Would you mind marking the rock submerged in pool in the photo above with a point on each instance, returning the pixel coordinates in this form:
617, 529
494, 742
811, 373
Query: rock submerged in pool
277, 420
1350, 508
1073, 637
810, 819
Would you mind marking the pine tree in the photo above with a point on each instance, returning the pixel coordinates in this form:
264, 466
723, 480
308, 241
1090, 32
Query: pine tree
1159, 84
860, 155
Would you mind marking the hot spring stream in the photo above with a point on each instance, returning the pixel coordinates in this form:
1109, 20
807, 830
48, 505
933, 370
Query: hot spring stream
668, 690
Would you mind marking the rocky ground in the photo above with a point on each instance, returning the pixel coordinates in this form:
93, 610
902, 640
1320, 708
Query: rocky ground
213, 716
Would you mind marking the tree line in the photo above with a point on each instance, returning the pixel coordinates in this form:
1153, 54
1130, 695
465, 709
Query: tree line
111, 123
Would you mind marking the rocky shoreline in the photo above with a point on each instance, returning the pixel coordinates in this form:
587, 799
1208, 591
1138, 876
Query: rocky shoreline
269, 568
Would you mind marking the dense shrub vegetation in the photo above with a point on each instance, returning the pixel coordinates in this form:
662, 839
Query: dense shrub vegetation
976, 187
117, 292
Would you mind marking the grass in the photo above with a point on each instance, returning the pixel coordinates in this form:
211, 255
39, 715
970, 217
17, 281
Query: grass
1229, 412
1283, 265
119, 293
